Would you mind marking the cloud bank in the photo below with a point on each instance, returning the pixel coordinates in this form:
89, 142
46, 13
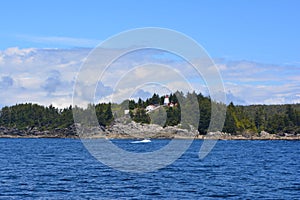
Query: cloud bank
47, 76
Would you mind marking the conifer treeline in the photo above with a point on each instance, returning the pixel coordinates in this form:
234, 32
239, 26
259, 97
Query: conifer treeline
28, 115
251, 119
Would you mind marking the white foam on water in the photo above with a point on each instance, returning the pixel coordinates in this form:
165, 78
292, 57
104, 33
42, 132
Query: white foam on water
141, 141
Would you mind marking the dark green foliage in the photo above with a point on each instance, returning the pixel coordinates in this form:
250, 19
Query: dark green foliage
131, 104
173, 98
230, 124
140, 116
154, 100
189, 108
66, 117
140, 103
104, 114
27, 116
239, 119
205, 113
275, 118
173, 116
259, 119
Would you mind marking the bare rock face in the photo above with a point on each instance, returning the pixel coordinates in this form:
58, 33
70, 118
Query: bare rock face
36, 133
264, 134
216, 135
136, 130
7, 131
126, 128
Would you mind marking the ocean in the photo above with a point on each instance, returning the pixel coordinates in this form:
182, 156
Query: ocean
64, 169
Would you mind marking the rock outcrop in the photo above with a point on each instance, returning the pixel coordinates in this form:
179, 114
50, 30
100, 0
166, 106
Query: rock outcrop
125, 128
135, 130
69, 132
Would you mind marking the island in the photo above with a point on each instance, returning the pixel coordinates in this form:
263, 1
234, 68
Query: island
156, 117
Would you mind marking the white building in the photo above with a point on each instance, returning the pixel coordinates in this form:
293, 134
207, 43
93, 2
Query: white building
150, 108
166, 100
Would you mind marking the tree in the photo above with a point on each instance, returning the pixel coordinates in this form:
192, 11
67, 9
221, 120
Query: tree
104, 114
229, 125
108, 115
155, 99
259, 119
205, 113
131, 104
291, 115
140, 116
173, 116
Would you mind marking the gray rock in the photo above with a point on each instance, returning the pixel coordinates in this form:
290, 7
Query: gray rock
137, 130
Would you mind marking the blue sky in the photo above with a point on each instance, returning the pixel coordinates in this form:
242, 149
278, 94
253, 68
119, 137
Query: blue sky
264, 31
242, 36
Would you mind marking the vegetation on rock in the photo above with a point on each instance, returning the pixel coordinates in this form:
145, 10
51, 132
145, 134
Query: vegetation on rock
250, 119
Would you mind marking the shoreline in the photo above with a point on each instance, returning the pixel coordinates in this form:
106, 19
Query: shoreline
200, 137
136, 131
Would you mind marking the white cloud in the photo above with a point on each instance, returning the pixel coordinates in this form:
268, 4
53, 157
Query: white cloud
57, 40
15, 51
32, 72
47, 76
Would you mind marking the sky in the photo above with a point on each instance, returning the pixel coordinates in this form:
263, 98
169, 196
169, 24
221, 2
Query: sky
255, 44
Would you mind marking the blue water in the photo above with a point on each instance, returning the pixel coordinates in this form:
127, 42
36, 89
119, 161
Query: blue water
64, 169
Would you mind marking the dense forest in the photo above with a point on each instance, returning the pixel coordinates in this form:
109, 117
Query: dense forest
252, 119
24, 116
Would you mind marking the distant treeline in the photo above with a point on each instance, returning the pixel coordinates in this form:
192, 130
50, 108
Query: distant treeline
26, 116
251, 119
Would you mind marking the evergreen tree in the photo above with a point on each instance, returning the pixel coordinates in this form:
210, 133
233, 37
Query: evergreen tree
229, 125
108, 115
131, 104
259, 120
140, 116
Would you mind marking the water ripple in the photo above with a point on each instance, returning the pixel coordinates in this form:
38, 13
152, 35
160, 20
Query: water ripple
63, 169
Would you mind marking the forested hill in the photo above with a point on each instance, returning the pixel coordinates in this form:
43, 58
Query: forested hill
251, 119
25, 116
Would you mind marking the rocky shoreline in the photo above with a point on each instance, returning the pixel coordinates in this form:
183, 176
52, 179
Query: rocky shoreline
132, 130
